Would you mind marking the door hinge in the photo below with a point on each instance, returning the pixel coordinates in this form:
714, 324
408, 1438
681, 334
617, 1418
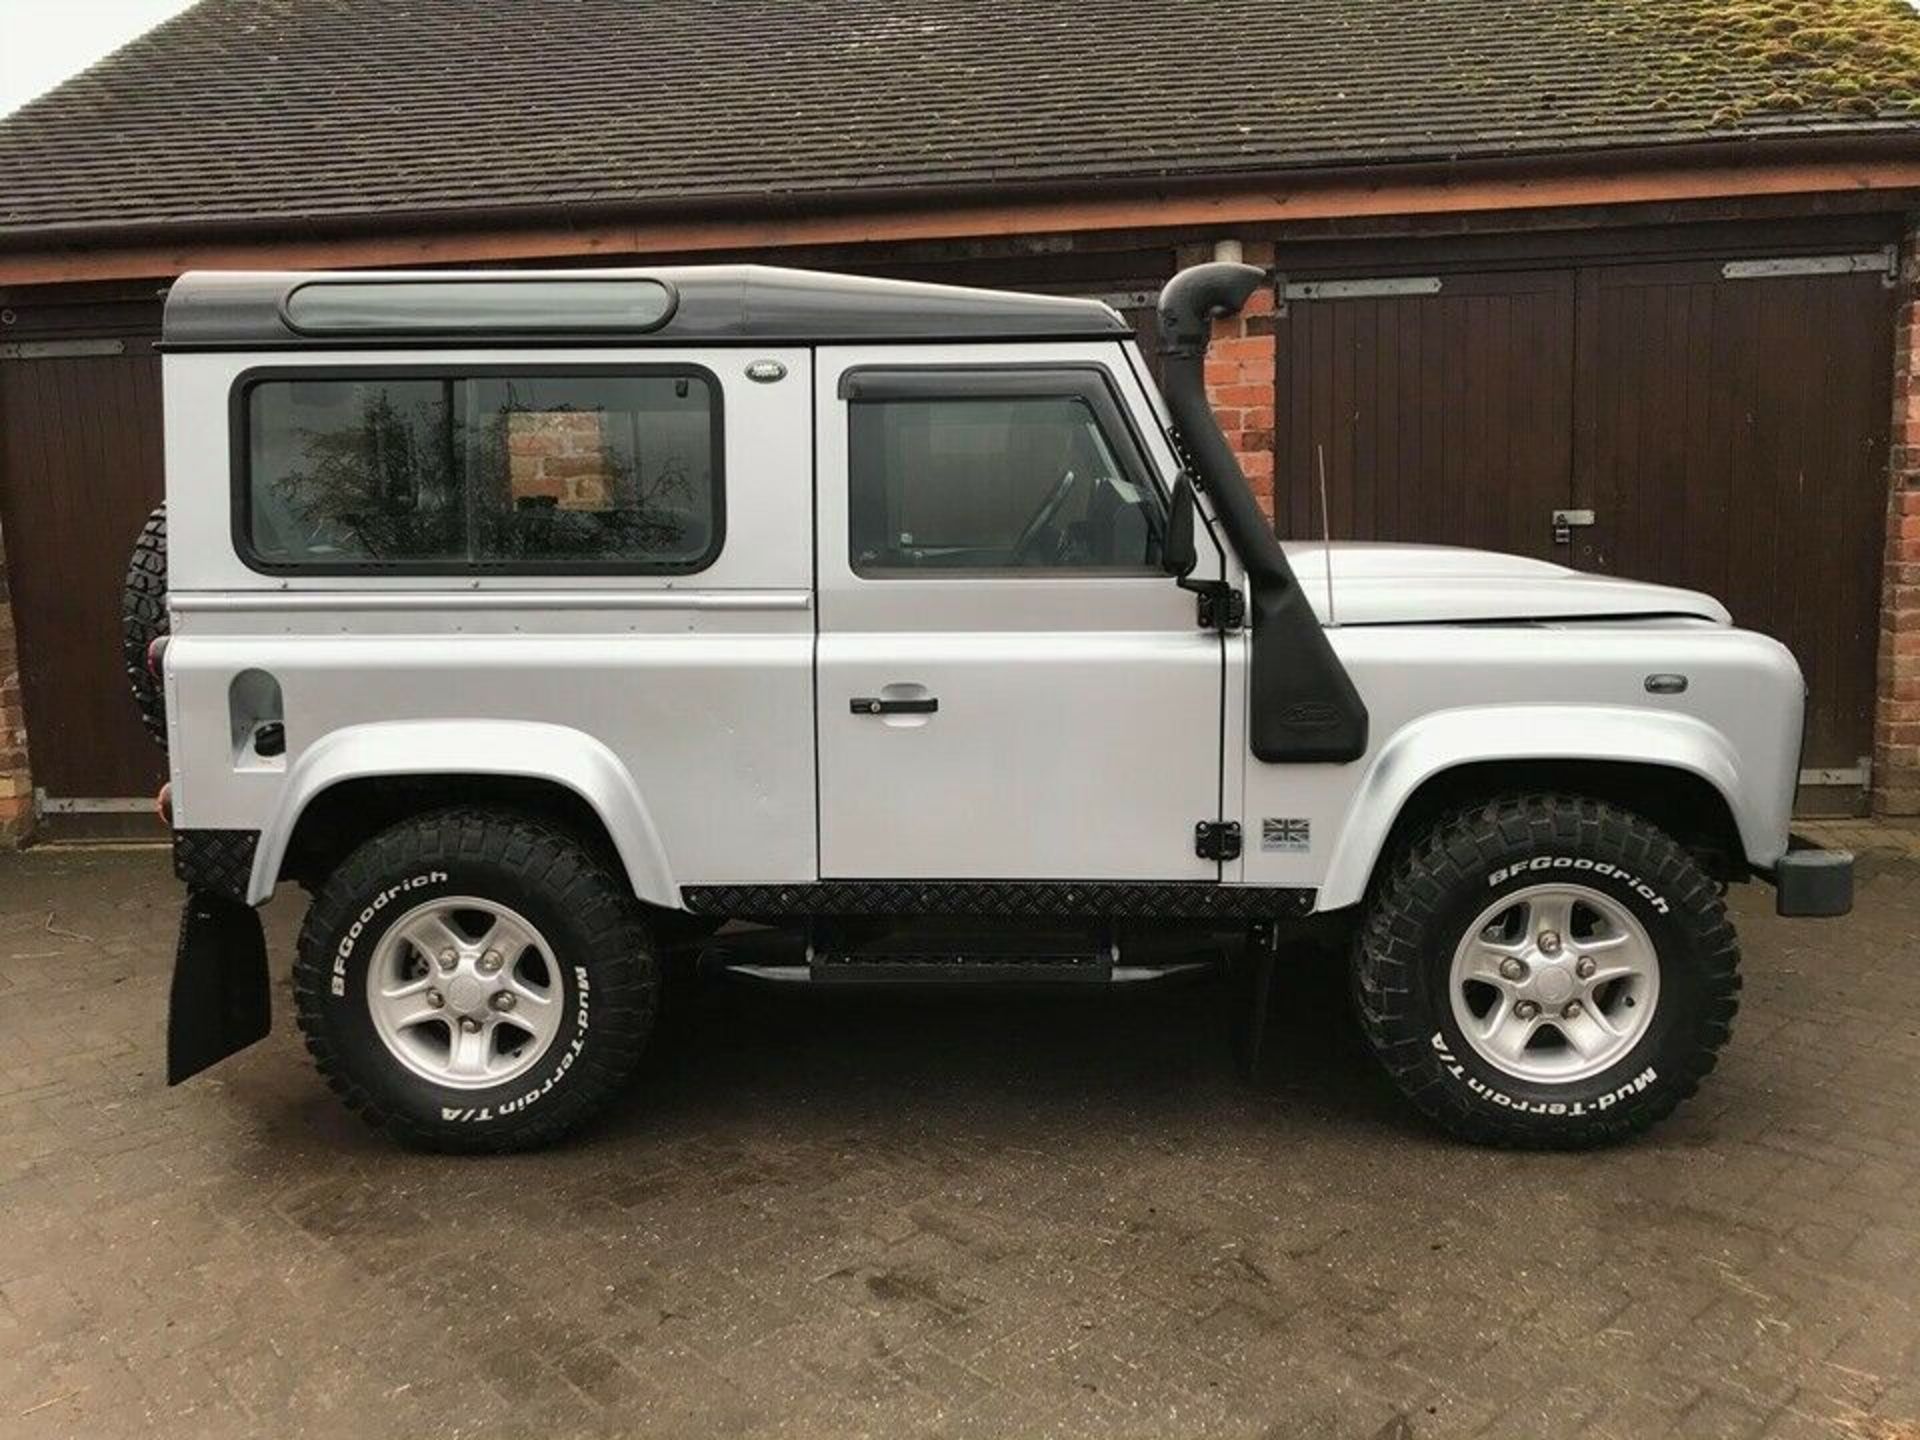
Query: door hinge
1884, 262
1370, 289
1222, 607
1217, 839
60, 349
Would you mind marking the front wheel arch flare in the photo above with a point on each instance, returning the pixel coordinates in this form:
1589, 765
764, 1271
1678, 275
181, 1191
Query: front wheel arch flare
1679, 801
1630, 757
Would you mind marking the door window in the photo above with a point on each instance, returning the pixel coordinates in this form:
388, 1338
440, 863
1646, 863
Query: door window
1021, 476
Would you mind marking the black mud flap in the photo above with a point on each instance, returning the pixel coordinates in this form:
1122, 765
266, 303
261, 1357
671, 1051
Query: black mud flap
1250, 995
219, 1003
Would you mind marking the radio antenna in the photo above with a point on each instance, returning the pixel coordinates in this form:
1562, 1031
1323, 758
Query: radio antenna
1326, 530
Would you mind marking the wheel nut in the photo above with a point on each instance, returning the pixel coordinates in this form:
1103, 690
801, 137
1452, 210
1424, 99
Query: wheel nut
1573, 1010
1549, 942
1513, 969
490, 962
469, 1024
503, 1000
1526, 1010
436, 999
1585, 969
448, 959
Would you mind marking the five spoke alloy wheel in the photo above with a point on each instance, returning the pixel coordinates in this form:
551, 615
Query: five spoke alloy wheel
465, 992
1554, 983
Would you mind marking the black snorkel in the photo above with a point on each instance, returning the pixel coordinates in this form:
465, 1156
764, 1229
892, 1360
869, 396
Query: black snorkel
1303, 703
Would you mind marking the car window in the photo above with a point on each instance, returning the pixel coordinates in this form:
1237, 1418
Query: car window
994, 483
530, 471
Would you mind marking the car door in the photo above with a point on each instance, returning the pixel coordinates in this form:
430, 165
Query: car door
1007, 685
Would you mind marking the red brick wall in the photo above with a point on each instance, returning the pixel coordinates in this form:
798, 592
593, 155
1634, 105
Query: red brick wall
559, 455
1240, 379
1896, 730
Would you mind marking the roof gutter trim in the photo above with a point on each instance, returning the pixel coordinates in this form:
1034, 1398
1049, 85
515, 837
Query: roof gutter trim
1833, 144
1665, 174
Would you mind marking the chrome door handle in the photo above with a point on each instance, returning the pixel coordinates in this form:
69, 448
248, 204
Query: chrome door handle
873, 705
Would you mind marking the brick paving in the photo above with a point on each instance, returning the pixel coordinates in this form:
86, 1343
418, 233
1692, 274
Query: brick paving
828, 1215
1885, 838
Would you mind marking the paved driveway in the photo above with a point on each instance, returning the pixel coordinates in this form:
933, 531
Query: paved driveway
827, 1215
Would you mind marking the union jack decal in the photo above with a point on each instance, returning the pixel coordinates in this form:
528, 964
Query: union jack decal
1287, 834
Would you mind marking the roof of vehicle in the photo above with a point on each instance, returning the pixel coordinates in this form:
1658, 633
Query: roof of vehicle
712, 304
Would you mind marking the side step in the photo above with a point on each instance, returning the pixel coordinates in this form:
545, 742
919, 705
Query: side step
944, 967
949, 960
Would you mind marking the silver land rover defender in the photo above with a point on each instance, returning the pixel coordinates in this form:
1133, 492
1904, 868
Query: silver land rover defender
541, 624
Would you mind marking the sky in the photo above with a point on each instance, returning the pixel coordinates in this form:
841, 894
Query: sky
42, 42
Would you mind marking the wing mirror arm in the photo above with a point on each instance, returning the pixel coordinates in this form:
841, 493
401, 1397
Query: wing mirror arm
1221, 605
1178, 555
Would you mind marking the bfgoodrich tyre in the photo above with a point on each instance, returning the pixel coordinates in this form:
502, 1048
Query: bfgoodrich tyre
475, 981
1546, 971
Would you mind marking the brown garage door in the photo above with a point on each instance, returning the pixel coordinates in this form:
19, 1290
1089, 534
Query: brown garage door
80, 467
1442, 408
1732, 437
1725, 422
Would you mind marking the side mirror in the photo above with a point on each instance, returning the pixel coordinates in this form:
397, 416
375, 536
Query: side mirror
1177, 555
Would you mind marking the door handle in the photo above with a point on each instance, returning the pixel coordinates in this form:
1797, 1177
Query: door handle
873, 705
1565, 522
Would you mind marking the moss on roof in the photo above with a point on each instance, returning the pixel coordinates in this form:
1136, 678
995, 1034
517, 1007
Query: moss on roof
250, 115
1844, 58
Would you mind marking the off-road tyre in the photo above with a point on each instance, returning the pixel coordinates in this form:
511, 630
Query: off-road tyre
595, 927
143, 619
1419, 912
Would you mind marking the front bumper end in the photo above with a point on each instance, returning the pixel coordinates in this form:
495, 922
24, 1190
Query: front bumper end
1811, 881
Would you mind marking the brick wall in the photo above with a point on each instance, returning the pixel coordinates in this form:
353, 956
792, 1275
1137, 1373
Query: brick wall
16, 780
559, 455
1896, 730
1240, 379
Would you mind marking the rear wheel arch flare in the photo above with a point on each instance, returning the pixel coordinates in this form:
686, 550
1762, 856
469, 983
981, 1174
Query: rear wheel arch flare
339, 818
403, 768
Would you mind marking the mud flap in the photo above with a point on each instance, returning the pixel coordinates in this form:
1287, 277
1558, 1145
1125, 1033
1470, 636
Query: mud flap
1250, 993
219, 1004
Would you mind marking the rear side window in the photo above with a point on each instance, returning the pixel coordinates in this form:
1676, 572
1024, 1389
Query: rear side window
482, 470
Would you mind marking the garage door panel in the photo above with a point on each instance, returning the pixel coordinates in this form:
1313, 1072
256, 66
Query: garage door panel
1729, 434
1442, 415
80, 465
1732, 438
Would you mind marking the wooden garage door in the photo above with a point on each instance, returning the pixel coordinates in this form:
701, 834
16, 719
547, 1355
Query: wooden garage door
80, 467
1441, 410
1725, 422
1732, 437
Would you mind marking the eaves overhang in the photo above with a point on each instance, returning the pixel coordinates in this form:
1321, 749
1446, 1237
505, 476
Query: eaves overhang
1810, 163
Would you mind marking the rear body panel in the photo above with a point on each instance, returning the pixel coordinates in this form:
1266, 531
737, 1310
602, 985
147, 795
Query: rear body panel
700, 686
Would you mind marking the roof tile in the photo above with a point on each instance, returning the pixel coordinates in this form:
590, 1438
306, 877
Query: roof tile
256, 114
